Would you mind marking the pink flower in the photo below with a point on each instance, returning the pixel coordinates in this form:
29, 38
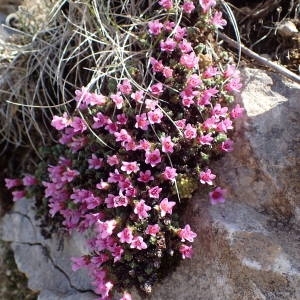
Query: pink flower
117, 253
154, 192
131, 191
207, 177
233, 85
218, 21
117, 99
206, 96
145, 176
189, 61
141, 121
125, 235
190, 132
167, 72
237, 112
100, 120
113, 160
60, 123
211, 72
138, 243
92, 201
188, 101
102, 185
168, 46
145, 145
151, 104
130, 167
156, 89
186, 251
231, 71
180, 123
104, 289
205, 139
95, 162
78, 143
211, 123
79, 195
130, 146
153, 158
217, 196
166, 207
168, 25
124, 184
80, 262
123, 136
125, 87
155, 27
185, 46
188, 93
219, 111
29, 180
112, 127
167, 4
67, 137
169, 173
10, 183
141, 209
180, 33
64, 161
105, 229
69, 175
126, 296
167, 144
82, 97
120, 200
95, 99
78, 125
152, 229
188, 7
187, 234
157, 66
109, 201
138, 96
224, 125
122, 119
227, 146
155, 116
18, 195
115, 177
207, 4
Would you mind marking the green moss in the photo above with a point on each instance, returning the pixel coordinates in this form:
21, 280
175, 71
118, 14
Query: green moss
186, 185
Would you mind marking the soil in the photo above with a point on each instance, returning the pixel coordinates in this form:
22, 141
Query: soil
270, 28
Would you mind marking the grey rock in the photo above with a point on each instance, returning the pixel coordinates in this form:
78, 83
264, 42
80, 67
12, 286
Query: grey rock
264, 170
47, 266
49, 295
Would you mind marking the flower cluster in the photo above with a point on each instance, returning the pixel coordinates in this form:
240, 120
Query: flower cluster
130, 153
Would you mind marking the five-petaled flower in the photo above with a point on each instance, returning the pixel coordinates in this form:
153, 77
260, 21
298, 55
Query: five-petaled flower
141, 209
207, 177
217, 196
166, 207
187, 234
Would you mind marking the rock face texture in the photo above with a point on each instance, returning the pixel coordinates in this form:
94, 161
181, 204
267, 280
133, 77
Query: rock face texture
247, 248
